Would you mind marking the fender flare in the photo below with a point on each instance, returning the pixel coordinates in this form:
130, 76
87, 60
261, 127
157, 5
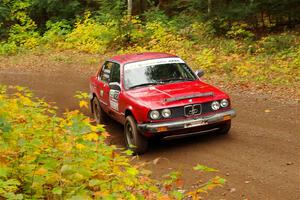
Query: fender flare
130, 111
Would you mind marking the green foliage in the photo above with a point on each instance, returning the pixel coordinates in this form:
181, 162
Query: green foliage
4, 13
156, 15
42, 11
8, 48
239, 31
110, 10
56, 32
206, 59
204, 168
46, 156
90, 36
229, 46
199, 31
275, 43
221, 42
43, 155
24, 35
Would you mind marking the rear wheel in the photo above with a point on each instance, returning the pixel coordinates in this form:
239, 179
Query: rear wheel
99, 115
224, 128
134, 140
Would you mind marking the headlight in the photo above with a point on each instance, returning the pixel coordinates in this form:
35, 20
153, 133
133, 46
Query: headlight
166, 113
224, 103
154, 114
215, 105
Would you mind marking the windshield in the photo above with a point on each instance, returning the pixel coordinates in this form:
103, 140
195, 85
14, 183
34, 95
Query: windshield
154, 72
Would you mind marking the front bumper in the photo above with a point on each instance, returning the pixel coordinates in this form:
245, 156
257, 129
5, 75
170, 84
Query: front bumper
202, 121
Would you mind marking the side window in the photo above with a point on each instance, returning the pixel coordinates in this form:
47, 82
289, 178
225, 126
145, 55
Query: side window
105, 72
115, 73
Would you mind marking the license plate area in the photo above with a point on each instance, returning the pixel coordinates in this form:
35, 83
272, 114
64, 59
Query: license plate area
196, 123
192, 110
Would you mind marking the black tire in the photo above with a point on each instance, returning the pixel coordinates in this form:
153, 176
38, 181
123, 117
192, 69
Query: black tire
135, 141
99, 115
224, 128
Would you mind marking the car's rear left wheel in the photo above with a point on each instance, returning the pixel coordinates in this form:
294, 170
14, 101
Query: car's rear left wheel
135, 141
99, 115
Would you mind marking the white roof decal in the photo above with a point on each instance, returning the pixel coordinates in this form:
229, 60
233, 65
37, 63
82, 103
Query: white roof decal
153, 62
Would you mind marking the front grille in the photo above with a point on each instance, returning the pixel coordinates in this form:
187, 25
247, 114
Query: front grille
191, 110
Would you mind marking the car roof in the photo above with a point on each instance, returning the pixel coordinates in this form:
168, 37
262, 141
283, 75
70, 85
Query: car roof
129, 58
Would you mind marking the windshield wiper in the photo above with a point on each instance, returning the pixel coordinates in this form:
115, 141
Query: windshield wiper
143, 84
176, 79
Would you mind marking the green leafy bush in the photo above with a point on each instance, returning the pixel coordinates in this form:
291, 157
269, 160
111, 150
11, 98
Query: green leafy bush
274, 43
8, 48
229, 46
239, 31
44, 156
24, 32
56, 32
90, 36
206, 59
24, 35
156, 15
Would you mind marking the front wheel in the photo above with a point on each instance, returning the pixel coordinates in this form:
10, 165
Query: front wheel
134, 140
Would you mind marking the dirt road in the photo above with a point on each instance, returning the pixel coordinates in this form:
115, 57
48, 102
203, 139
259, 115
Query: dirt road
260, 158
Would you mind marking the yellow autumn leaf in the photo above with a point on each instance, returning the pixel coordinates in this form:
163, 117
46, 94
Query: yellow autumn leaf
87, 120
20, 89
83, 104
164, 197
105, 134
79, 146
41, 171
30, 158
73, 112
91, 137
210, 186
101, 194
94, 128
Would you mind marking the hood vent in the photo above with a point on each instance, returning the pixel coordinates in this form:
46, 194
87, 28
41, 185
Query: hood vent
206, 94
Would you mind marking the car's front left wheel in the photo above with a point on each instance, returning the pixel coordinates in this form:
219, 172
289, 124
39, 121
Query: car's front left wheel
134, 140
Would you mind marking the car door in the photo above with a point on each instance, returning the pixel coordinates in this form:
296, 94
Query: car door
115, 90
102, 86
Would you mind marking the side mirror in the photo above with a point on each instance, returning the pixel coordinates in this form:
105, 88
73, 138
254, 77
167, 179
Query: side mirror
199, 73
115, 86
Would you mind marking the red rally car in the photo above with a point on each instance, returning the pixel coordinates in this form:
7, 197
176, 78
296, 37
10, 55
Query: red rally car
157, 95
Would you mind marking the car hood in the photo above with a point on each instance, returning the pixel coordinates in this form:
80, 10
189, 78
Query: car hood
176, 94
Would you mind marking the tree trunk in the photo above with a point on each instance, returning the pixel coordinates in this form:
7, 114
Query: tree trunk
209, 6
262, 18
129, 7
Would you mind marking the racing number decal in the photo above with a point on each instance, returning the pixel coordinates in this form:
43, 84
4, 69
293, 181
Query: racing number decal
114, 99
